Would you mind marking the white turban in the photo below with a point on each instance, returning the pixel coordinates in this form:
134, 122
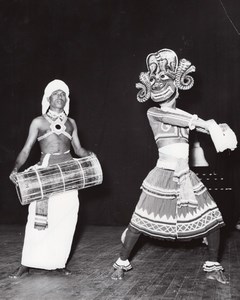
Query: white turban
53, 86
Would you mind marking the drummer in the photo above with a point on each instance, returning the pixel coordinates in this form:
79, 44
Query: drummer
51, 222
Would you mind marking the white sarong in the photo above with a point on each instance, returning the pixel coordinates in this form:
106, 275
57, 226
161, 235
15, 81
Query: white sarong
50, 248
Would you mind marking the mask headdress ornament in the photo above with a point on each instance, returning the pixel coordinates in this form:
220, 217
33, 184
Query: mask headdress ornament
53, 86
164, 77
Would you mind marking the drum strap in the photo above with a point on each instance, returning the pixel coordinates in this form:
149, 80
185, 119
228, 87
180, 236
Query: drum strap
41, 213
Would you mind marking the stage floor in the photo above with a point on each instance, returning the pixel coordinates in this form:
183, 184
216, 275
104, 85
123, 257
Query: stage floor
161, 270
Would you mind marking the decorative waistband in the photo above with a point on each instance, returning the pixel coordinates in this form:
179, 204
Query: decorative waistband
58, 153
51, 158
176, 164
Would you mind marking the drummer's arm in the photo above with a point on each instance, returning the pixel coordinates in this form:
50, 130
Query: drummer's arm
78, 149
24, 153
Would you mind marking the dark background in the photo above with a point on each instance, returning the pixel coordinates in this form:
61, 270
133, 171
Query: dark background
99, 47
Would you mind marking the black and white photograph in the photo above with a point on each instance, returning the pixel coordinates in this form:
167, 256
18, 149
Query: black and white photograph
119, 150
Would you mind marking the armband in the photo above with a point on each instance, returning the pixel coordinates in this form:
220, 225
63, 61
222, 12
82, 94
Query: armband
190, 125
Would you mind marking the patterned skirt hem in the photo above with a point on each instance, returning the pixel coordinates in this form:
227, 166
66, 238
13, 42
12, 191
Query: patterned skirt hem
180, 237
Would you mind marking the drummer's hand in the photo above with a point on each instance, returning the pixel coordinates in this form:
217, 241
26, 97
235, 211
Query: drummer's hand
87, 153
13, 176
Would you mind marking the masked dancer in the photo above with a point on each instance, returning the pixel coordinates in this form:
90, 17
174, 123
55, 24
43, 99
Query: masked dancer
174, 203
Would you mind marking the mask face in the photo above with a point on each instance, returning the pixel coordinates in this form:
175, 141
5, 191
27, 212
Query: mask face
162, 72
162, 84
165, 76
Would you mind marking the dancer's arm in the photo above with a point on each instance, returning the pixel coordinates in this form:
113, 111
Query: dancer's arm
177, 117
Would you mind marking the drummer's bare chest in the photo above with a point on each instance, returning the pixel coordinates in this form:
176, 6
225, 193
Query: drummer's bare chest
46, 127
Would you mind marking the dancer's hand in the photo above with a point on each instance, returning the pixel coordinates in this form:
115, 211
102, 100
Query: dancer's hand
209, 123
224, 127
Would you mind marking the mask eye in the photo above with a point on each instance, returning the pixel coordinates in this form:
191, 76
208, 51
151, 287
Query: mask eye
163, 76
152, 79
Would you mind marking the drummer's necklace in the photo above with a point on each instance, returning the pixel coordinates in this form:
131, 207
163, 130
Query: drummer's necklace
57, 126
54, 115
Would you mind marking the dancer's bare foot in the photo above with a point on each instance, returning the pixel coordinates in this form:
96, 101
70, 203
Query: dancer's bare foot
19, 272
117, 274
218, 276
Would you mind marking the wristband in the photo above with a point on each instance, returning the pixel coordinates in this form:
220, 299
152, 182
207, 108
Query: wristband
190, 125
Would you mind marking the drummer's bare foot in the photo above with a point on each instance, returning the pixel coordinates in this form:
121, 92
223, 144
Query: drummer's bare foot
118, 274
64, 271
218, 276
19, 272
